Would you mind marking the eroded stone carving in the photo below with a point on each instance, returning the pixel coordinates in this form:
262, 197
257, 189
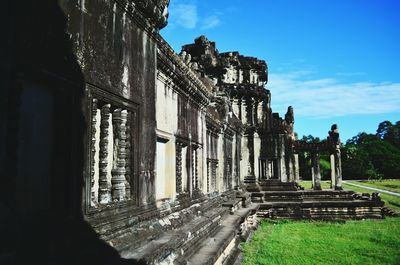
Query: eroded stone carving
104, 186
178, 167
119, 157
334, 141
128, 158
93, 200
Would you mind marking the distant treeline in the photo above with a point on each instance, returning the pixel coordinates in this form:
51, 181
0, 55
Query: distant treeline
365, 156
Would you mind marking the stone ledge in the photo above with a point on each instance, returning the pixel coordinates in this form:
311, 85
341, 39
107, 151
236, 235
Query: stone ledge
224, 243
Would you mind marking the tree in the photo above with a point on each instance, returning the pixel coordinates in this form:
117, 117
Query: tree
389, 132
305, 161
383, 129
373, 156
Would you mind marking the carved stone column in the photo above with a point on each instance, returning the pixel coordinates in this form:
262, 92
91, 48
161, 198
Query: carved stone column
260, 113
119, 159
316, 172
249, 111
93, 200
128, 187
104, 187
194, 170
208, 174
250, 178
255, 111
214, 166
178, 168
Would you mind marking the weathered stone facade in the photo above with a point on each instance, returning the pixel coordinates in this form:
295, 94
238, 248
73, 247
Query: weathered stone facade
116, 149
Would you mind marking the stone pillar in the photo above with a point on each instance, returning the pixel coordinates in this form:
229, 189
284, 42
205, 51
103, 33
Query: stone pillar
189, 168
128, 188
245, 112
334, 139
249, 111
93, 200
104, 187
250, 177
267, 169
333, 177
338, 169
316, 173
255, 111
195, 170
256, 153
119, 158
208, 175
296, 168
178, 168
260, 113
240, 108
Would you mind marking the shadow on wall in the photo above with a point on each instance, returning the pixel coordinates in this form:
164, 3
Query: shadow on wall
42, 129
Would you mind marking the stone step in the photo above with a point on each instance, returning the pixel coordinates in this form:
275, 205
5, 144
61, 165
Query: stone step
327, 195
355, 209
222, 247
272, 185
174, 243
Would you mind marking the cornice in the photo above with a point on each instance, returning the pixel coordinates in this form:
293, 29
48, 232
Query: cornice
150, 15
185, 80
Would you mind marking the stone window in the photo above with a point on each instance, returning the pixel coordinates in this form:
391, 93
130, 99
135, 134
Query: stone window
111, 160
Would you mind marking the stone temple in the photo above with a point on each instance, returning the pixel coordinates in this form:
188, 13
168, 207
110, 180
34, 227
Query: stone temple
117, 150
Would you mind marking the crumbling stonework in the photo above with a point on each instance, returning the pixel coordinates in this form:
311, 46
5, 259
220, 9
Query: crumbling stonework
118, 150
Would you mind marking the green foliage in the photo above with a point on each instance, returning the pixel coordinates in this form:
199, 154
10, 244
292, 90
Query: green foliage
305, 162
325, 167
368, 156
389, 132
353, 242
365, 156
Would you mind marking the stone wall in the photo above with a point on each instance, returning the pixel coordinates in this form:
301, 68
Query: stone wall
113, 140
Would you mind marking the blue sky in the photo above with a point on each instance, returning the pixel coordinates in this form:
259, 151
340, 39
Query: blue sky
333, 61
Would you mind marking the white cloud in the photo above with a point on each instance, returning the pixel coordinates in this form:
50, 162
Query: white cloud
350, 74
184, 15
211, 21
329, 97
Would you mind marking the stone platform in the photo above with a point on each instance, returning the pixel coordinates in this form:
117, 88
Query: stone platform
206, 232
289, 201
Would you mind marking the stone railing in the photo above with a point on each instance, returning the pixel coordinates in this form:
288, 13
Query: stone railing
110, 150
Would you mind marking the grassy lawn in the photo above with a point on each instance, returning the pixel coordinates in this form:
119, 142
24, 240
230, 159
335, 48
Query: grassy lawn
306, 184
391, 201
391, 185
307, 242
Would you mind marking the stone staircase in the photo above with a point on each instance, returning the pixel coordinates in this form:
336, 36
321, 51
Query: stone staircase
288, 201
210, 233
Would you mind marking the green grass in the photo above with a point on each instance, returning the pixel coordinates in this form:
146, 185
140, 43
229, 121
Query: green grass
307, 184
391, 185
354, 242
391, 201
